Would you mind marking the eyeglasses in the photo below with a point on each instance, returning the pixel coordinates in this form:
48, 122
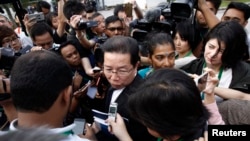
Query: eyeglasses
115, 28
10, 40
119, 72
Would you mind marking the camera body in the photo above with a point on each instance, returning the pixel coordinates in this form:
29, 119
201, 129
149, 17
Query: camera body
186, 7
8, 58
173, 13
102, 39
83, 24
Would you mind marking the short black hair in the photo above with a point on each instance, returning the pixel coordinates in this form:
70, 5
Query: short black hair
123, 45
158, 39
216, 3
186, 31
96, 14
42, 4
40, 28
111, 19
64, 44
241, 7
71, 8
169, 102
37, 79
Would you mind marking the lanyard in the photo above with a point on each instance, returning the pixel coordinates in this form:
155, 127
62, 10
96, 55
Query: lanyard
70, 132
220, 72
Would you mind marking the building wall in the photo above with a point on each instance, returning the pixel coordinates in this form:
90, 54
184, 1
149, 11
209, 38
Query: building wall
112, 2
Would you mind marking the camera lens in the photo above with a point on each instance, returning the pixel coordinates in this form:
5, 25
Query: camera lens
82, 25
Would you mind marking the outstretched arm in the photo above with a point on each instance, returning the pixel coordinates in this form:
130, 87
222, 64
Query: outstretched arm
209, 100
228, 93
210, 17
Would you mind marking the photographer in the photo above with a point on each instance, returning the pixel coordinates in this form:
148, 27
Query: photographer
202, 24
97, 32
59, 35
76, 15
11, 48
141, 29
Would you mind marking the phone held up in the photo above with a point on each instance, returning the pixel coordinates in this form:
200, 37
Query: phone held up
112, 111
201, 81
38, 17
128, 7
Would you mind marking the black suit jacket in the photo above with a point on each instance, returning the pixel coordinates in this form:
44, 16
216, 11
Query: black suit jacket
136, 130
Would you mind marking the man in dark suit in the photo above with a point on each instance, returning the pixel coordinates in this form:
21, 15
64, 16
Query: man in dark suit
121, 60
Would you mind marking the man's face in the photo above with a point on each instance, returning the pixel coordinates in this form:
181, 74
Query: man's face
236, 15
4, 21
45, 41
114, 29
101, 24
71, 55
12, 41
200, 17
118, 69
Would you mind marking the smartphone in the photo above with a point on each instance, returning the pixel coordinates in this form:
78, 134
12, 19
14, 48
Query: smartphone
83, 88
80, 126
201, 81
112, 111
128, 9
39, 17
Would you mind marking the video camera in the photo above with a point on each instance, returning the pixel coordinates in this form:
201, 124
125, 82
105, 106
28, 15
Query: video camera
8, 57
173, 13
83, 24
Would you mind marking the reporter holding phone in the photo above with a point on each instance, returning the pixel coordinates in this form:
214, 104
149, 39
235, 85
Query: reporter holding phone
223, 53
163, 93
71, 55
